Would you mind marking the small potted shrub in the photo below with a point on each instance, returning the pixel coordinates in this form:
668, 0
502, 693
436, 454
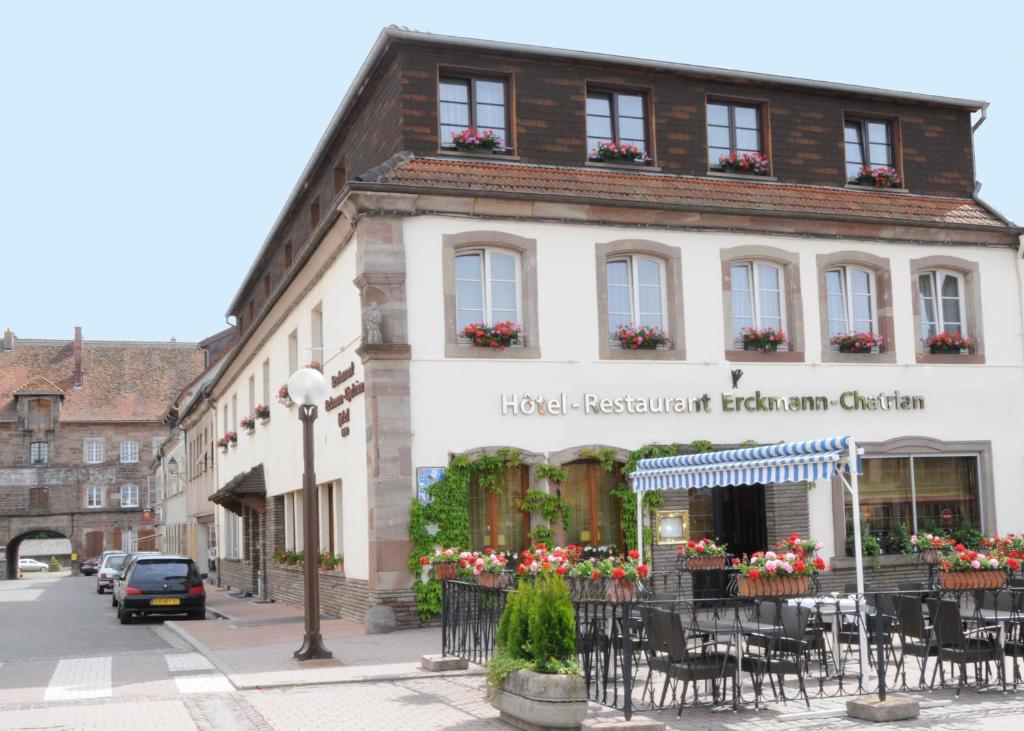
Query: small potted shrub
947, 342
263, 413
280, 555
533, 676
641, 337
472, 141
248, 423
326, 561
878, 177
763, 340
865, 342
497, 336
339, 564
54, 564
703, 554
618, 152
746, 163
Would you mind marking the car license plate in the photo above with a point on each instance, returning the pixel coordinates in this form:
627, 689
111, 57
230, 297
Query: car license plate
165, 602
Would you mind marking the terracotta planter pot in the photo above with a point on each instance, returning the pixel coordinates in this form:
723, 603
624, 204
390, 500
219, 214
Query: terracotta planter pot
970, 580
622, 590
705, 563
492, 581
777, 586
445, 571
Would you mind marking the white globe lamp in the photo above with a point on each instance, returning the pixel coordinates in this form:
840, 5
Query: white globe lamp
307, 387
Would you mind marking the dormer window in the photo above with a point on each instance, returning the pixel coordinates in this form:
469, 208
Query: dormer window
479, 104
736, 132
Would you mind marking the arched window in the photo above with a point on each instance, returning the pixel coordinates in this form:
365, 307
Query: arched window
758, 296
496, 517
636, 292
486, 287
852, 304
594, 512
942, 303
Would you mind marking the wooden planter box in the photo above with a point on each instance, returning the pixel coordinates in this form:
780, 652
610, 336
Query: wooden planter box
766, 348
622, 590
705, 563
540, 701
776, 586
981, 579
492, 581
445, 571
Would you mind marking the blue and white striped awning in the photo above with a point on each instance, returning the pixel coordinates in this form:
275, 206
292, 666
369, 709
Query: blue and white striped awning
817, 459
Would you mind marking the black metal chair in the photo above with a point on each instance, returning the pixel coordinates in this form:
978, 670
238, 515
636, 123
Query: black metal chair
786, 651
917, 638
961, 647
691, 658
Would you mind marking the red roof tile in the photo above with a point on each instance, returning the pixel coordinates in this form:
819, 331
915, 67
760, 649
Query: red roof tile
123, 381
710, 194
38, 385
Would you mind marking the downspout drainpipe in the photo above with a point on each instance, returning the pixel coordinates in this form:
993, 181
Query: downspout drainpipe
997, 214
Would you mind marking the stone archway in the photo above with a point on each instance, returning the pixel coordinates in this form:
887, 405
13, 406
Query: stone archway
13, 546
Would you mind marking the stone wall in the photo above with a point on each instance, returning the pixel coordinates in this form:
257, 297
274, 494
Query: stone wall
884, 572
236, 574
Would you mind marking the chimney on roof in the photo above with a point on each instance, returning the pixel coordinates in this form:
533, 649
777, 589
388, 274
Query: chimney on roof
78, 357
8, 339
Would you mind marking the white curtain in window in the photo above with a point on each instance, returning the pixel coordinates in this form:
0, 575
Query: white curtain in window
851, 306
941, 303
757, 296
486, 288
636, 292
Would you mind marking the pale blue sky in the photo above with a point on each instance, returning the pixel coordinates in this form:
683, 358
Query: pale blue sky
145, 151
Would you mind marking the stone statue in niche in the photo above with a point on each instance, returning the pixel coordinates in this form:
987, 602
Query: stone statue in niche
372, 318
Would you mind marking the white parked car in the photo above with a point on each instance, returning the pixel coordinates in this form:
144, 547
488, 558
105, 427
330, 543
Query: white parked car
108, 571
30, 564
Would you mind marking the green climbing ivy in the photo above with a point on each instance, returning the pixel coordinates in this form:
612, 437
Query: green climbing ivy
604, 456
552, 473
448, 510
652, 499
549, 505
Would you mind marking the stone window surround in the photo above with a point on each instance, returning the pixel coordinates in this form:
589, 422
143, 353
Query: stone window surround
969, 270
526, 249
794, 325
671, 259
882, 272
920, 446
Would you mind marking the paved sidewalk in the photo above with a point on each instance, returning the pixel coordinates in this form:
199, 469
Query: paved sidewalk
253, 645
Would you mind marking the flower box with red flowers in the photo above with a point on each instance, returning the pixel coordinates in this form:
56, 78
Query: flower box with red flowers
771, 573
445, 562
618, 153
263, 413
230, 439
470, 140
248, 423
641, 337
498, 336
702, 555
802, 547
865, 342
967, 569
1009, 546
948, 343
283, 398
878, 177
745, 163
762, 339
931, 547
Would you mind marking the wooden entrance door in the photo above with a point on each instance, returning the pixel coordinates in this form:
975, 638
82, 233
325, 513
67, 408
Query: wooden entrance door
93, 543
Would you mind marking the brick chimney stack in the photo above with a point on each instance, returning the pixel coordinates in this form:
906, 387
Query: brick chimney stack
8, 339
78, 357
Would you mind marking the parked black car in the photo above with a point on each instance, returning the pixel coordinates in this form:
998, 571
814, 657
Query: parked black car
161, 585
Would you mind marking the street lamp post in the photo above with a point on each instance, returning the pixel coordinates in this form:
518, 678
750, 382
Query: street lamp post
307, 387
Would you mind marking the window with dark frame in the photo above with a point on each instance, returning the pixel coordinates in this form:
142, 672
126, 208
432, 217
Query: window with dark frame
496, 517
478, 103
39, 453
733, 127
594, 512
868, 143
619, 117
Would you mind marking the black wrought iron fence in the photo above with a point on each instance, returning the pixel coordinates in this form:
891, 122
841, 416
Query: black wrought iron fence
654, 648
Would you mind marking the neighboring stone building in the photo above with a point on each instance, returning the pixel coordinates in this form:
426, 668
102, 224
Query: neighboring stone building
185, 464
394, 240
80, 422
